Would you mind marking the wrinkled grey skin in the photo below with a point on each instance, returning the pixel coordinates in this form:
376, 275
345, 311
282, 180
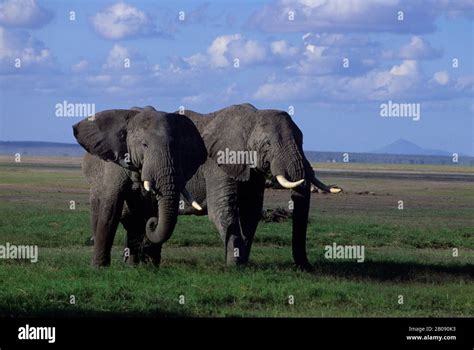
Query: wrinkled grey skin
232, 194
125, 148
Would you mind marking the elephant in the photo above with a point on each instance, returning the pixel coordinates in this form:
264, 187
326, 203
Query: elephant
137, 164
232, 193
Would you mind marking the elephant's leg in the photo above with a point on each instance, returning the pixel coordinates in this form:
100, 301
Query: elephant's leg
223, 212
138, 250
136, 212
250, 196
134, 226
95, 207
110, 210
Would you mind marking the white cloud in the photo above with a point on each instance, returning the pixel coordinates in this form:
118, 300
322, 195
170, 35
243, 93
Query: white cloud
247, 51
194, 99
173, 69
223, 96
313, 60
403, 81
197, 60
418, 49
322, 54
116, 90
225, 48
283, 49
130, 80
116, 57
293, 89
314, 51
80, 66
219, 48
466, 84
121, 21
400, 81
23, 13
441, 78
99, 79
21, 45
355, 15
123, 59
408, 67
317, 54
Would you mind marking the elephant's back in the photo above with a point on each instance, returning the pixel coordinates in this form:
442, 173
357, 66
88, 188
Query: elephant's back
199, 120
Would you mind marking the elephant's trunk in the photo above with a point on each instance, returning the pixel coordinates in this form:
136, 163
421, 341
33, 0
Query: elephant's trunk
289, 163
301, 198
161, 178
159, 230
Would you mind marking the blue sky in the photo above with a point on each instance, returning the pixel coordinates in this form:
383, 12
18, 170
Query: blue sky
289, 52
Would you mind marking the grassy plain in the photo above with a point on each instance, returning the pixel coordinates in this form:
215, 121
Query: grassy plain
408, 252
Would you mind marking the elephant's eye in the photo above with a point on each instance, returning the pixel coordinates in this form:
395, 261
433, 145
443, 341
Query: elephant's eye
145, 146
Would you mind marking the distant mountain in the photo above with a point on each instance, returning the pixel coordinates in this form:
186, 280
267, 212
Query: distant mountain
402, 146
38, 148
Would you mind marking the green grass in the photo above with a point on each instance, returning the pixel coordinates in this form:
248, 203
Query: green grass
263, 289
408, 252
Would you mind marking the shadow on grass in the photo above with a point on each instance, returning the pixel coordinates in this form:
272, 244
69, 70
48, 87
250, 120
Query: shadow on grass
77, 312
384, 270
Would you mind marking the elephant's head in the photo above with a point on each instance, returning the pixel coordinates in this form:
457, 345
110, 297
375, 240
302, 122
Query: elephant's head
278, 145
166, 149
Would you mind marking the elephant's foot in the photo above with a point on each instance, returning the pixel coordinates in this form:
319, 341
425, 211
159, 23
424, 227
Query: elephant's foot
244, 260
234, 262
246, 251
235, 251
102, 262
132, 248
304, 266
151, 253
132, 259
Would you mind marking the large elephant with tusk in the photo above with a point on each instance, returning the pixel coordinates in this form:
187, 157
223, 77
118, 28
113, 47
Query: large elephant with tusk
244, 146
137, 164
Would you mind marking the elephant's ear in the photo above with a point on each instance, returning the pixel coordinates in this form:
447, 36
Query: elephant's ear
227, 133
104, 134
189, 143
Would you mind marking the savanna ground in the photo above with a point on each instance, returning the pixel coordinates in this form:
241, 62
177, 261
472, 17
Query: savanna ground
408, 252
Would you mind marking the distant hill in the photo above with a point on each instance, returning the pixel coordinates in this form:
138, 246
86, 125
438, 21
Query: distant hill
38, 148
384, 158
402, 146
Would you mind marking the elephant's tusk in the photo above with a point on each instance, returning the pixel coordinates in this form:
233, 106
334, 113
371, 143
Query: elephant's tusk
288, 184
147, 186
325, 188
196, 205
190, 199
